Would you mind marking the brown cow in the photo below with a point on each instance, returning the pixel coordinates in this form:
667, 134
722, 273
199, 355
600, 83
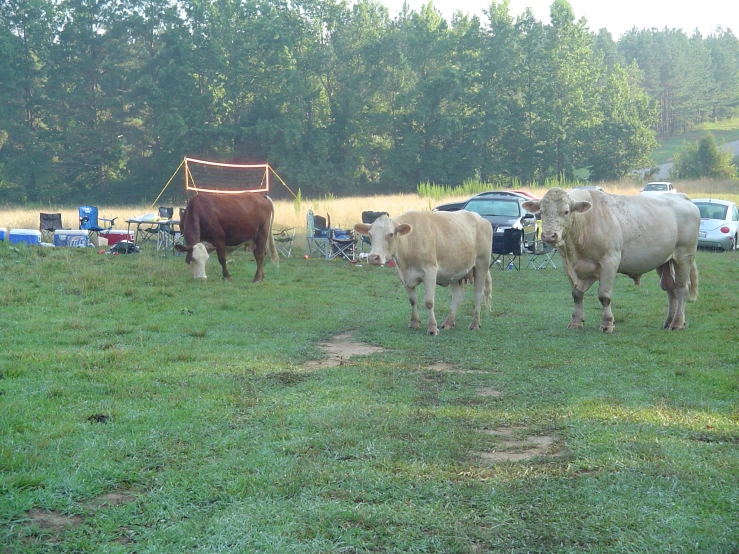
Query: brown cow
435, 248
220, 222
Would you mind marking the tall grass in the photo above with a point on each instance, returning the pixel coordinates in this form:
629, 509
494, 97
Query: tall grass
345, 212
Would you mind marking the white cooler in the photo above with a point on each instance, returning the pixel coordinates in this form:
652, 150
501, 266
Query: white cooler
76, 238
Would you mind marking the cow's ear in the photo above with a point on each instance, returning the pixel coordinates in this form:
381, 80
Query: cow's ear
403, 229
581, 207
532, 206
362, 228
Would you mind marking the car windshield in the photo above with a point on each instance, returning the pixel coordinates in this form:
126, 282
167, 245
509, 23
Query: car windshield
712, 211
489, 207
655, 186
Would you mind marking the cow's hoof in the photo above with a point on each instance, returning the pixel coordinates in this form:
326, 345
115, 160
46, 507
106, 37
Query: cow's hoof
414, 325
608, 328
575, 325
446, 325
433, 331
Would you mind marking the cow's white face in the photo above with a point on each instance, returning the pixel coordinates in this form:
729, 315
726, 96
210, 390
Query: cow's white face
556, 209
199, 258
383, 234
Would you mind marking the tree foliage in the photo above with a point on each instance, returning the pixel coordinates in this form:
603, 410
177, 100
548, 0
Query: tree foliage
100, 100
703, 159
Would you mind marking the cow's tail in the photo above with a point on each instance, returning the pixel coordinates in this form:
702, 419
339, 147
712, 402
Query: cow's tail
271, 240
693, 287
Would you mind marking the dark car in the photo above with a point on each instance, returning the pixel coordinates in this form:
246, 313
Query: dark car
503, 211
454, 206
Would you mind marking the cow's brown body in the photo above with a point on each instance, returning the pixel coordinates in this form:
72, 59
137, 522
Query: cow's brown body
228, 221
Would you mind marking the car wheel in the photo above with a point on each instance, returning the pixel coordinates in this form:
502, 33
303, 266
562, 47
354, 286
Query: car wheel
521, 246
733, 247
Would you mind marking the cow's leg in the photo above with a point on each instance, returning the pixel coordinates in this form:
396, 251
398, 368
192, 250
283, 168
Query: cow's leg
221, 251
674, 278
413, 299
481, 274
666, 274
578, 315
457, 298
429, 285
605, 290
260, 251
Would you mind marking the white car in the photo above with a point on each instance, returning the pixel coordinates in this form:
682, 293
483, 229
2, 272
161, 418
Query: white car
658, 187
719, 228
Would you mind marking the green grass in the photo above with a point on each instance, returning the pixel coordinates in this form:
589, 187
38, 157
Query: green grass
724, 131
220, 440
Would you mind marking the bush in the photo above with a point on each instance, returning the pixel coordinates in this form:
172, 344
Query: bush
703, 159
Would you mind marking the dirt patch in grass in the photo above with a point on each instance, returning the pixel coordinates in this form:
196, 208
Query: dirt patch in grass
487, 392
110, 499
512, 449
444, 367
52, 522
339, 350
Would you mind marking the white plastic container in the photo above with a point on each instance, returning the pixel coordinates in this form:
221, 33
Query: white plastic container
75, 238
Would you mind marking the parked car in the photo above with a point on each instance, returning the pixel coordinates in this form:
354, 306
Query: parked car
503, 209
454, 206
719, 228
589, 187
658, 187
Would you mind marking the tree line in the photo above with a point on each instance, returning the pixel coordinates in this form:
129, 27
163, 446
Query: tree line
100, 100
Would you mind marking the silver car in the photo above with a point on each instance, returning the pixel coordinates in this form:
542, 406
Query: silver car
719, 228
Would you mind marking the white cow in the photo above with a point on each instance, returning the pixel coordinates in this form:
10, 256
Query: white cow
435, 248
600, 235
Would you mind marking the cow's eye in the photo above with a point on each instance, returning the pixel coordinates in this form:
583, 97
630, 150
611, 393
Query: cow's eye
390, 235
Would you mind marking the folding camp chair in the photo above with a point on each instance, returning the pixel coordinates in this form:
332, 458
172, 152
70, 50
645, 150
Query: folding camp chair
369, 218
508, 255
541, 256
90, 222
48, 223
341, 244
317, 235
284, 241
165, 231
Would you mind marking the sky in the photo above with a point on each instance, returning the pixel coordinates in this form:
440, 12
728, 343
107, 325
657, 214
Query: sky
618, 16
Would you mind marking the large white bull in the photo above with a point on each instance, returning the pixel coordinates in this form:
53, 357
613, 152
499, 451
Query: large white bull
600, 235
435, 248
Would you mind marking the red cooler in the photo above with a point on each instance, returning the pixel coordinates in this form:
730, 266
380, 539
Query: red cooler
115, 236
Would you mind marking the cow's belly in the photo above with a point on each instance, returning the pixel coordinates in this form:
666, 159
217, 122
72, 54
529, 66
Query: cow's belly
412, 277
446, 276
639, 262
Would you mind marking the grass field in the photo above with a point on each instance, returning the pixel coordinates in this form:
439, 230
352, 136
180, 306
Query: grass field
142, 411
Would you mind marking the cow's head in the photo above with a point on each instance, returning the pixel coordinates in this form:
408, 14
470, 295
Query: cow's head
556, 209
383, 234
197, 263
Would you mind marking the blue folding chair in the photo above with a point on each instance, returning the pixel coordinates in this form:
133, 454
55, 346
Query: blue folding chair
89, 221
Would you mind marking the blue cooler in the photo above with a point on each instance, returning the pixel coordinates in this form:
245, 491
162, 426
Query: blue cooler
71, 237
25, 236
3, 234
